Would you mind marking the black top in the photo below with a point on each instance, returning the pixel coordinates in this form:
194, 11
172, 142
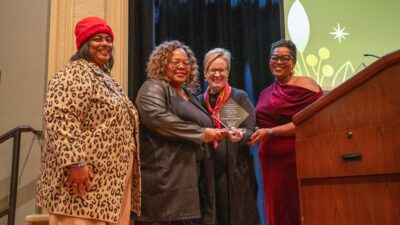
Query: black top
240, 189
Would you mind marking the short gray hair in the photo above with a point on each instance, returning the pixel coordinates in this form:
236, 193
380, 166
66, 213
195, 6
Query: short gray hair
214, 54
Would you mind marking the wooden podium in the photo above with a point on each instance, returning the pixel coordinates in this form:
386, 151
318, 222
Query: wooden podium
348, 150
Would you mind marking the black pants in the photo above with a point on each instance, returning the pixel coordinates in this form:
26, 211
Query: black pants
222, 198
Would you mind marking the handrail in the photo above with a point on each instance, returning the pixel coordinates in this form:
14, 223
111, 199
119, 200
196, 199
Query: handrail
21, 129
12, 200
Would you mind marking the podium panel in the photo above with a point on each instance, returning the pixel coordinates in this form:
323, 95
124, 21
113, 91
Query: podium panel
367, 150
360, 200
348, 150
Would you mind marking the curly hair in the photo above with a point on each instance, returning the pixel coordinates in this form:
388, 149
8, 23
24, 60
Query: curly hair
160, 58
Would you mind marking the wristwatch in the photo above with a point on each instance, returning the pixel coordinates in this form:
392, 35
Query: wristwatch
270, 133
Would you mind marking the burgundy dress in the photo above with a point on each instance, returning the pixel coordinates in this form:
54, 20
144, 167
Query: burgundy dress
276, 106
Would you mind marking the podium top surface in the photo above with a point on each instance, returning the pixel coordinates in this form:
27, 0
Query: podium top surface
358, 79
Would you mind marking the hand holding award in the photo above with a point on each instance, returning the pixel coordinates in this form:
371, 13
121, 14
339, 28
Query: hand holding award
231, 116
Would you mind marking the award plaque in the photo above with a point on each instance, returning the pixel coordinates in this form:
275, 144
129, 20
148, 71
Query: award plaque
232, 114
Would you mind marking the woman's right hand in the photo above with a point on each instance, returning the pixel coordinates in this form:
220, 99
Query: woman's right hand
260, 135
79, 180
212, 134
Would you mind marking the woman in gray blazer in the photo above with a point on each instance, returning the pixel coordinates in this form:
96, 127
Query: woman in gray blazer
173, 129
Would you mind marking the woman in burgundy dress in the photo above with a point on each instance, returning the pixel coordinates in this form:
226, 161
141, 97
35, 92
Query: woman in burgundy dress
286, 96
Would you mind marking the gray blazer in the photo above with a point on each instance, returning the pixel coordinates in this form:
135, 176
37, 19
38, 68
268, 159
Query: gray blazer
171, 153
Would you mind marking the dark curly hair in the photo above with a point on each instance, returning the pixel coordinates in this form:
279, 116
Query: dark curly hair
160, 57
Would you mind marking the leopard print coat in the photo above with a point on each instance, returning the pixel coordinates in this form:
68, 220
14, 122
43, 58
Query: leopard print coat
88, 119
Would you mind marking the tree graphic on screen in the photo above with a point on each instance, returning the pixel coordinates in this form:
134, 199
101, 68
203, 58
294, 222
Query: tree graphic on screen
316, 65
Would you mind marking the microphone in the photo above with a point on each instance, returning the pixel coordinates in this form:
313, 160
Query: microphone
371, 55
359, 68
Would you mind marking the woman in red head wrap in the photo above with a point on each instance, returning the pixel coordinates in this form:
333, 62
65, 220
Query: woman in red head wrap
90, 162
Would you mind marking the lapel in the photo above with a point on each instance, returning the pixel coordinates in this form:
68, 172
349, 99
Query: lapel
113, 86
193, 99
108, 82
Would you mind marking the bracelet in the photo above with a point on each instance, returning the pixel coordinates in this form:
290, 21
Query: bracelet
78, 165
270, 133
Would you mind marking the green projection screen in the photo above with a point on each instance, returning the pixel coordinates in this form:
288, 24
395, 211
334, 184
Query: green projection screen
334, 38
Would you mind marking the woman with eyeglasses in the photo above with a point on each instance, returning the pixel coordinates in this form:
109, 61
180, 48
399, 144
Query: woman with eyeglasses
286, 96
174, 126
234, 175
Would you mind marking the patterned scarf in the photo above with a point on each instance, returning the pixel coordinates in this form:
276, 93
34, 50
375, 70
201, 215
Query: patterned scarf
221, 99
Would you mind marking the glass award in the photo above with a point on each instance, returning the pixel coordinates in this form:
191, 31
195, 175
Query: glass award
232, 114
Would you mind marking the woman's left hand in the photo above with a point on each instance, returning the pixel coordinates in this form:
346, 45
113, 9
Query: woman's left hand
235, 134
79, 180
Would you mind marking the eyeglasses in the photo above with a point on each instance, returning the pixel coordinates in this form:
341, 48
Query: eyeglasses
284, 58
176, 63
215, 70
